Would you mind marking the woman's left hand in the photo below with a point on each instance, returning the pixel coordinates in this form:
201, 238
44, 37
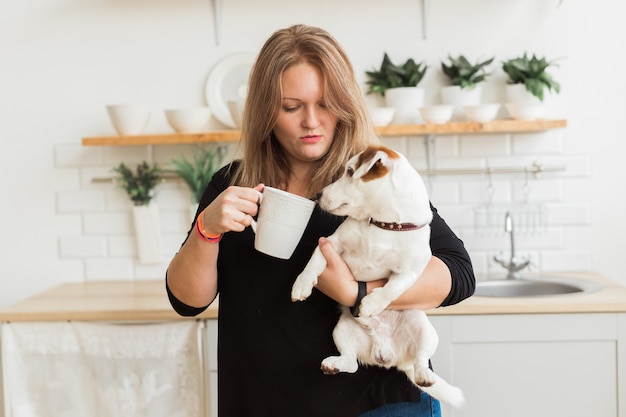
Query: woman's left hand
336, 281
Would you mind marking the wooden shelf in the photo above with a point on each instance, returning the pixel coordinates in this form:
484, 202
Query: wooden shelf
505, 125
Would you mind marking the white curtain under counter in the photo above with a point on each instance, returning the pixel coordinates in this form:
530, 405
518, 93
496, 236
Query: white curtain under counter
104, 349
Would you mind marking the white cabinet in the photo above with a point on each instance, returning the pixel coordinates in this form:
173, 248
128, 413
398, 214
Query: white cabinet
541, 365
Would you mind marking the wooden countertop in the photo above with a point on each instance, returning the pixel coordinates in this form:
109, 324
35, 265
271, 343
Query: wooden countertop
147, 301
95, 301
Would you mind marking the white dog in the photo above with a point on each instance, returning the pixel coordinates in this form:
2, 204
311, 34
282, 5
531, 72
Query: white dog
386, 234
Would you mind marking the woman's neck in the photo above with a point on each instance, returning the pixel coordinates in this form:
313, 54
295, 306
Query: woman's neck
300, 180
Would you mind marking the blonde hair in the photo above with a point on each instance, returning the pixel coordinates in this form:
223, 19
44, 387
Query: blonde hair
264, 160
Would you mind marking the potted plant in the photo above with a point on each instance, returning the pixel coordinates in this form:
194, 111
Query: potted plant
465, 78
528, 74
140, 187
197, 172
398, 84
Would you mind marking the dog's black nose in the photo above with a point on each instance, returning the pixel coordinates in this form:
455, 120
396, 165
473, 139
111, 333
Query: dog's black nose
317, 197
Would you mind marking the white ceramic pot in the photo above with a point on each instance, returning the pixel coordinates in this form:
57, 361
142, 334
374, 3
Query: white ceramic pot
148, 233
517, 93
406, 101
460, 97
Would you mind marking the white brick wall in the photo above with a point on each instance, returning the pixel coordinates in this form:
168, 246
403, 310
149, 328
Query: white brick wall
96, 225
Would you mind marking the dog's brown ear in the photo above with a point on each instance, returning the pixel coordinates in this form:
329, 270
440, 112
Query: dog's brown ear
374, 167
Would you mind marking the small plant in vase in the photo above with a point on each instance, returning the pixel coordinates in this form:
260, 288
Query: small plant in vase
531, 73
528, 81
399, 85
140, 187
197, 173
465, 78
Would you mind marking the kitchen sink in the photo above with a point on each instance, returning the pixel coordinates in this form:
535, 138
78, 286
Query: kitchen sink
537, 286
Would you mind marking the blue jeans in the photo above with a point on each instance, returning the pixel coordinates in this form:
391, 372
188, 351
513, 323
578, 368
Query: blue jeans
427, 407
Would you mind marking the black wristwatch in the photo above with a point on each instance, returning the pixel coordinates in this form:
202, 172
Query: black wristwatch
362, 293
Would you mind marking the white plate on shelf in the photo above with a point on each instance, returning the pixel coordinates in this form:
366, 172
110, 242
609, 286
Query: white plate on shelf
228, 80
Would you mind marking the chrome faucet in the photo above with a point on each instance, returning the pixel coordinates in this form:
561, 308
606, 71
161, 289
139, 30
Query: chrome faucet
513, 265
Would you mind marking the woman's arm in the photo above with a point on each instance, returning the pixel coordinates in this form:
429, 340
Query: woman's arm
191, 278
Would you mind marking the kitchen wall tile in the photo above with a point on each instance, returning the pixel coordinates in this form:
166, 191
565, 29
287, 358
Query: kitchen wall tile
109, 269
542, 143
88, 174
117, 199
108, 224
129, 155
174, 198
481, 193
67, 178
442, 191
82, 246
577, 191
458, 215
69, 224
446, 146
574, 166
538, 190
122, 246
484, 145
72, 201
493, 240
565, 260
175, 221
76, 155
150, 272
569, 214
71, 270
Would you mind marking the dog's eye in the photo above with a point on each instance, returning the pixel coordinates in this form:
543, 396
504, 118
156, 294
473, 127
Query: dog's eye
349, 171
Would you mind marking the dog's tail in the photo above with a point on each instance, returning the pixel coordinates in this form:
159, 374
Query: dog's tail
445, 392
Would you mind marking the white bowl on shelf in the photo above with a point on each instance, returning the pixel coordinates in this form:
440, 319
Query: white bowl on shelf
481, 113
526, 111
188, 120
235, 107
382, 116
128, 119
437, 114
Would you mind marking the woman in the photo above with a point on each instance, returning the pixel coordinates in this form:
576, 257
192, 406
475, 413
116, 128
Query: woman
304, 117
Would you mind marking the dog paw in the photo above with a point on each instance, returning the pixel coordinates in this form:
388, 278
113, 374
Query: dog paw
424, 377
334, 364
372, 305
302, 288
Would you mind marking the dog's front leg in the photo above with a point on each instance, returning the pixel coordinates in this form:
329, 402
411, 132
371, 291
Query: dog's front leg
303, 286
381, 297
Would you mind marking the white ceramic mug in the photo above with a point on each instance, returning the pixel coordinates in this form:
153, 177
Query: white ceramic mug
281, 222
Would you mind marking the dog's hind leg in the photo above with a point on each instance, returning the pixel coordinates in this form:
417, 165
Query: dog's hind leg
351, 341
425, 347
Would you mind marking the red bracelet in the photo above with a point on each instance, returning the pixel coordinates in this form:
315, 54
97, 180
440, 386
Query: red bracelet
203, 234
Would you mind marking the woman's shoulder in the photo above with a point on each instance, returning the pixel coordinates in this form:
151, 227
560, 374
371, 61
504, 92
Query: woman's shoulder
224, 176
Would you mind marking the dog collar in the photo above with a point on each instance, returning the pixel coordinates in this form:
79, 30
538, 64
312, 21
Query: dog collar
396, 227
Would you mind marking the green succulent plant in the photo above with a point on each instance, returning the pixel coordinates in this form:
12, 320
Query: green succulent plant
531, 71
140, 185
198, 172
409, 74
463, 73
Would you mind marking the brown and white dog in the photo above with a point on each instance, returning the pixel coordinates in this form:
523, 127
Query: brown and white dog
386, 234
